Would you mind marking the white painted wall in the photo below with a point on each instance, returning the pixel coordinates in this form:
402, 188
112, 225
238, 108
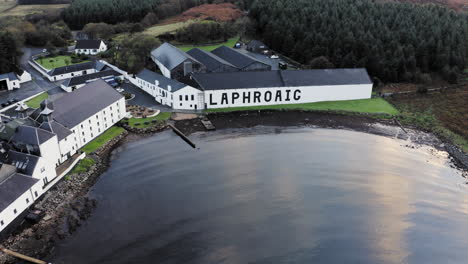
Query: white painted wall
70, 75
165, 71
25, 77
280, 95
11, 84
188, 98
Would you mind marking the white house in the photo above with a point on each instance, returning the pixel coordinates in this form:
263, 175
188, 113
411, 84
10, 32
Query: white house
234, 89
90, 47
169, 92
10, 81
34, 146
70, 71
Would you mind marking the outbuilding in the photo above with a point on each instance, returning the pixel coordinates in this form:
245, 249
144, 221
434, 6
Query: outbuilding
109, 76
240, 60
11, 80
212, 62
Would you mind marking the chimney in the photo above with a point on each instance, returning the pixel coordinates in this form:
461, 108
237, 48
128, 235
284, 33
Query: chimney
169, 88
157, 82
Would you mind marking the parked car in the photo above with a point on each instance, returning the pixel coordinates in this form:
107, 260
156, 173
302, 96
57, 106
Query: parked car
5, 104
274, 57
12, 101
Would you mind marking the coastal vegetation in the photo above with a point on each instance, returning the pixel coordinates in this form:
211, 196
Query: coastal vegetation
36, 101
148, 122
372, 106
394, 41
100, 141
82, 166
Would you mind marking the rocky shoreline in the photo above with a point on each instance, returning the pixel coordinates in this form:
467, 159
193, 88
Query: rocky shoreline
67, 205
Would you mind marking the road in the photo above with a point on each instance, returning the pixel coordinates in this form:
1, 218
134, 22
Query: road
37, 85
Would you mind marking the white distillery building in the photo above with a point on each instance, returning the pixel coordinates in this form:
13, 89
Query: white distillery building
110, 76
235, 89
169, 92
34, 145
90, 47
11, 80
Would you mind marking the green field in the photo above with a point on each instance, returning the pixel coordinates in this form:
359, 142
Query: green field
83, 166
373, 106
230, 43
102, 139
24, 10
157, 30
36, 101
55, 62
141, 121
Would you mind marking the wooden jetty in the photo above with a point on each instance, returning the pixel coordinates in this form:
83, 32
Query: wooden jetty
21, 256
180, 134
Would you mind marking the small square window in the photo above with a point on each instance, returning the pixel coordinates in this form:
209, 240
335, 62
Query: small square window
27, 200
35, 193
1, 223
14, 211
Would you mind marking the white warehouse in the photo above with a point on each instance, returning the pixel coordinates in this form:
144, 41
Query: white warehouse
237, 89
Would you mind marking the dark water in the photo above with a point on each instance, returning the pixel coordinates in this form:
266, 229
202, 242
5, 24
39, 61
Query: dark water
275, 196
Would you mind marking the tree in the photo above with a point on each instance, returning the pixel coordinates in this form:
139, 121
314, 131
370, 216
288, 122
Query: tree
9, 53
133, 52
321, 63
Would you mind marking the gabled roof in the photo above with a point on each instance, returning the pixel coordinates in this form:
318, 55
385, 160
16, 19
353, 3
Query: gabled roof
11, 76
264, 79
170, 56
32, 135
93, 76
13, 187
73, 68
25, 163
236, 58
164, 82
211, 61
56, 128
88, 44
73, 108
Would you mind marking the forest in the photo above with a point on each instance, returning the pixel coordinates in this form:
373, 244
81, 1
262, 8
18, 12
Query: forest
9, 52
395, 42
82, 12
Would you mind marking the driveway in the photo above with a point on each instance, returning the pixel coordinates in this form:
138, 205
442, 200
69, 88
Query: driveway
143, 99
38, 83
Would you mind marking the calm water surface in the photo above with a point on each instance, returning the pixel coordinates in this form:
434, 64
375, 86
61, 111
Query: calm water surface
271, 195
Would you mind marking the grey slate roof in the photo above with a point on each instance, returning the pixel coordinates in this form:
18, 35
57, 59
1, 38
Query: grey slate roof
25, 163
56, 128
151, 77
236, 58
88, 44
32, 135
73, 68
73, 108
170, 56
10, 75
211, 61
263, 79
85, 78
13, 187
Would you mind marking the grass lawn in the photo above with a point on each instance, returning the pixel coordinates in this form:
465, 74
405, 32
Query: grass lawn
7, 4
83, 166
374, 106
102, 139
36, 101
160, 117
160, 29
55, 62
24, 10
230, 43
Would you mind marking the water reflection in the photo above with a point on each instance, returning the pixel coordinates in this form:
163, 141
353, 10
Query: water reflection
260, 196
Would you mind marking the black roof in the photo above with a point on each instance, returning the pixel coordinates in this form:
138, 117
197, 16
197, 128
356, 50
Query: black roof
32, 135
85, 78
88, 44
73, 108
25, 163
56, 128
73, 68
13, 187
164, 82
170, 56
211, 61
291, 78
236, 58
